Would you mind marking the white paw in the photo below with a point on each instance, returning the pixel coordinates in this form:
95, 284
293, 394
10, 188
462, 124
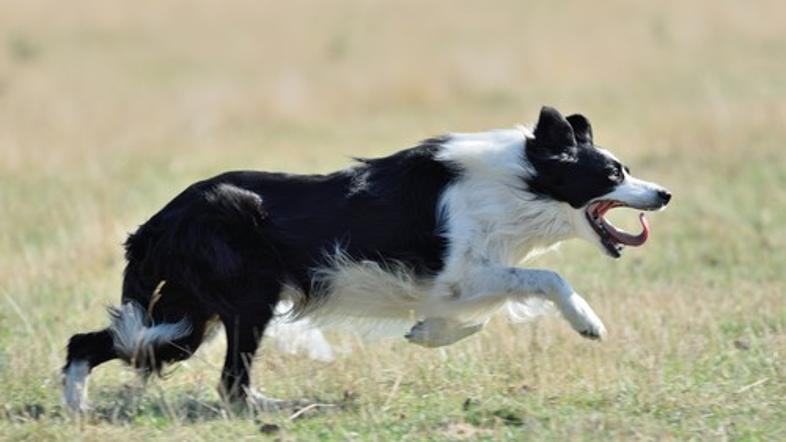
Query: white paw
75, 386
439, 332
583, 319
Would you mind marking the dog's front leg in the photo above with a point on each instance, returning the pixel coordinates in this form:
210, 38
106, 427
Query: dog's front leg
488, 286
549, 285
439, 332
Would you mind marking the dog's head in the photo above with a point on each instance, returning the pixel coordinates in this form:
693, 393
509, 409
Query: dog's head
571, 169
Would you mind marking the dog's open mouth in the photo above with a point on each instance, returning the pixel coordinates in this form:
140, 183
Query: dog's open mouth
612, 238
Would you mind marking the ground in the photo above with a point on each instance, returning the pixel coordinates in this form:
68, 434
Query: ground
108, 109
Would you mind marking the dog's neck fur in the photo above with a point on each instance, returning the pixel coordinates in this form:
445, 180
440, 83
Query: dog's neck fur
490, 215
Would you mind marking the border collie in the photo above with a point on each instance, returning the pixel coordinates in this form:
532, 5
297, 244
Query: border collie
429, 235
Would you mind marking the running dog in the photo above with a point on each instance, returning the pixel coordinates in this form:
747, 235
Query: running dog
430, 235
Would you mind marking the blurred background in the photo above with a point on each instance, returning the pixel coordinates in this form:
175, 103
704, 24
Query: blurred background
108, 109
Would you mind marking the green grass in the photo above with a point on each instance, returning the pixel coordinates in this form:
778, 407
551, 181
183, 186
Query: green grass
107, 111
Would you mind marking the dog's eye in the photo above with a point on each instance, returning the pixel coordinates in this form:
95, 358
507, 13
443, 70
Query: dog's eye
627, 170
615, 174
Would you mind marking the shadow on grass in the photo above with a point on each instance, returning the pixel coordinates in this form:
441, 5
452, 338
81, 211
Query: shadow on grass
129, 405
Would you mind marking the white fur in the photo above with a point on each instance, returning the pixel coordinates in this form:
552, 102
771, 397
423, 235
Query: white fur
75, 380
298, 336
365, 297
489, 213
635, 192
130, 335
492, 222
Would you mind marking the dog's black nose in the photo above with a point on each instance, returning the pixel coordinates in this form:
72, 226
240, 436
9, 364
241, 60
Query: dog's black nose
665, 196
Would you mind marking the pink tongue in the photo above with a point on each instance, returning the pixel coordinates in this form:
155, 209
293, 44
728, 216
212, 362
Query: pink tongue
626, 238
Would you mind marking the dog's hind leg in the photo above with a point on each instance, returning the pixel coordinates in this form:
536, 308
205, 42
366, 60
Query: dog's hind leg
85, 352
244, 332
133, 337
144, 338
245, 326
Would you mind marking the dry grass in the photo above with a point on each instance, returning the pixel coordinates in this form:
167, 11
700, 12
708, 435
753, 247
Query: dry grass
107, 109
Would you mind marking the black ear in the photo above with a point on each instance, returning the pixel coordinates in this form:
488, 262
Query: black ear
581, 128
553, 131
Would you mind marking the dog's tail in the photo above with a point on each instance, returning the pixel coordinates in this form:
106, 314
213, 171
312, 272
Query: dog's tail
135, 337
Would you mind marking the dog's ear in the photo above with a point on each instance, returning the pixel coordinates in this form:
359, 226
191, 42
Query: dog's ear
582, 129
553, 132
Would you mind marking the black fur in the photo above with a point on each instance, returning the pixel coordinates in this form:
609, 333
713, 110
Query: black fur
569, 167
225, 247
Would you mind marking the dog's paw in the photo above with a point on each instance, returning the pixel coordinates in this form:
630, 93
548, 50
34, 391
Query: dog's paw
75, 386
596, 334
584, 320
439, 332
420, 334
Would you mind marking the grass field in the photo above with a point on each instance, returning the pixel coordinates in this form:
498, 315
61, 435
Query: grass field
108, 109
